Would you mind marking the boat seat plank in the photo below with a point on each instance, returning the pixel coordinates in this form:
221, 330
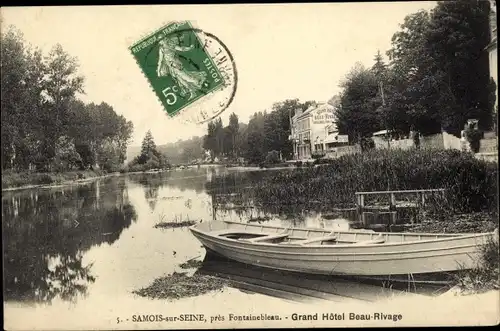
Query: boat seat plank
319, 239
269, 237
379, 240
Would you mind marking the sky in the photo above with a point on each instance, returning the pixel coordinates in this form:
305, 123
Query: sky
281, 51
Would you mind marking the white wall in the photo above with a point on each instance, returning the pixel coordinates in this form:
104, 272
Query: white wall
493, 71
321, 118
342, 150
451, 142
401, 144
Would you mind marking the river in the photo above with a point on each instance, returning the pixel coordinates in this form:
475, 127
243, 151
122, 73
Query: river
73, 255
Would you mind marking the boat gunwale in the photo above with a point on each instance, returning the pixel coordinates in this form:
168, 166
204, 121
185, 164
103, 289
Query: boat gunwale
444, 237
357, 254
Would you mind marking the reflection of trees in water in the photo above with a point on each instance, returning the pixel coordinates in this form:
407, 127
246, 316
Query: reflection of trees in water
44, 246
151, 184
187, 179
234, 193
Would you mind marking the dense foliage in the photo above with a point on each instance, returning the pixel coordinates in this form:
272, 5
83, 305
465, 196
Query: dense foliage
470, 184
437, 77
44, 126
223, 141
150, 158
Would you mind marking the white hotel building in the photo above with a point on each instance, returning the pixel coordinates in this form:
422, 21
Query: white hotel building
313, 131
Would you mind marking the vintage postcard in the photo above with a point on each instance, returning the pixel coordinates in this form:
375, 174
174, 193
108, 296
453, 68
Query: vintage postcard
250, 166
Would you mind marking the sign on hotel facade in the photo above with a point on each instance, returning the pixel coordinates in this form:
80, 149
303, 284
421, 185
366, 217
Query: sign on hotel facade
309, 129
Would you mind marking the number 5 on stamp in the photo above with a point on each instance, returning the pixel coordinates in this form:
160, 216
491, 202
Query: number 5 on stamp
177, 65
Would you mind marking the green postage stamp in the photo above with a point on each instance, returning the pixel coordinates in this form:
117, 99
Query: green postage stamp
184, 66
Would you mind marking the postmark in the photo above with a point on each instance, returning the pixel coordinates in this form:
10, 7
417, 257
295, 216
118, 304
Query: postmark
192, 73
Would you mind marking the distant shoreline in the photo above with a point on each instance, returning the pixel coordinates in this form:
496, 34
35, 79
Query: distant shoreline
61, 183
61, 178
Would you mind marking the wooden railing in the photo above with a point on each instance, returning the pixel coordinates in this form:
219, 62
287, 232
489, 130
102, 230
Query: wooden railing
392, 206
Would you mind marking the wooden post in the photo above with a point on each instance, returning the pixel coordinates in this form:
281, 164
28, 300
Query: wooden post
360, 201
393, 201
393, 217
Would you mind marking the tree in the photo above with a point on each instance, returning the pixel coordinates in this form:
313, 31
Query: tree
264, 133
439, 62
254, 148
109, 157
61, 84
21, 72
407, 51
233, 132
149, 158
148, 148
379, 68
456, 39
357, 116
42, 119
409, 88
209, 139
219, 137
66, 156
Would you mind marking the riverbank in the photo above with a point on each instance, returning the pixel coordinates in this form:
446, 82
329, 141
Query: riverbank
25, 180
12, 181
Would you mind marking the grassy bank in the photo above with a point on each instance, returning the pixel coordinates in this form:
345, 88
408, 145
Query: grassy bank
470, 183
11, 179
486, 275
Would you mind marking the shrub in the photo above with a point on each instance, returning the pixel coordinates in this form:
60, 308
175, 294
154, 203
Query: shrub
366, 143
272, 157
45, 179
474, 137
317, 156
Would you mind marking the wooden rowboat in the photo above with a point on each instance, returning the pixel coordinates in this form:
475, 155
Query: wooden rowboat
359, 253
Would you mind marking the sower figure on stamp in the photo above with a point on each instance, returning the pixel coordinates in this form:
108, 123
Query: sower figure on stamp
168, 64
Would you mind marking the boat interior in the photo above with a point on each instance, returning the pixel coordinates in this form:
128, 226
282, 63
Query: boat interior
287, 238
269, 234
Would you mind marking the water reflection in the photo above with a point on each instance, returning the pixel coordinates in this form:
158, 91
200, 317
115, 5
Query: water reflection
151, 184
46, 233
51, 237
292, 286
232, 193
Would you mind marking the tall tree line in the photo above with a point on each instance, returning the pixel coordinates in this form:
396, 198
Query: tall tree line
265, 132
223, 141
44, 126
437, 76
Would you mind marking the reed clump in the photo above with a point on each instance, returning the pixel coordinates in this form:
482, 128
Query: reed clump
177, 222
191, 264
470, 184
181, 285
485, 276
